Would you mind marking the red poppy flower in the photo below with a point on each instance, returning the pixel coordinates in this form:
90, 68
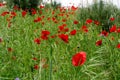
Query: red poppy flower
104, 33
118, 46
73, 32
66, 29
56, 21
42, 17
36, 67
98, 43
38, 19
34, 59
61, 14
33, 11
64, 25
1, 40
43, 23
88, 21
53, 36
74, 8
67, 15
45, 32
84, 28
9, 49
53, 13
41, 6
11, 17
96, 22
48, 18
112, 19
40, 12
9, 24
1, 4
24, 13
76, 22
118, 30
8, 19
64, 37
4, 13
113, 28
53, 19
61, 9
13, 14
44, 37
37, 40
61, 28
16, 7
79, 58
64, 20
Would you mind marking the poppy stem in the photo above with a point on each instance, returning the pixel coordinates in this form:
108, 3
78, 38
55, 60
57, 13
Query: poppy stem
50, 57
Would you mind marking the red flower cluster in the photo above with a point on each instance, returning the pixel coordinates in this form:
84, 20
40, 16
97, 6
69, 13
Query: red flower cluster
113, 28
45, 34
96, 22
24, 13
84, 28
38, 19
88, 21
62, 28
36, 67
13, 14
37, 40
118, 30
76, 22
118, 46
98, 43
112, 19
16, 8
73, 32
33, 11
4, 13
64, 37
104, 33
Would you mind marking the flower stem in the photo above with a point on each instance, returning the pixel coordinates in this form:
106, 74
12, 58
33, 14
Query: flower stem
50, 57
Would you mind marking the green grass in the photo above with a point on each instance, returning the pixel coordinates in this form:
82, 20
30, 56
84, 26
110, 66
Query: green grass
102, 63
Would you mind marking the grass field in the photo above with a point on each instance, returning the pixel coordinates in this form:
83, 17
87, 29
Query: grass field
41, 46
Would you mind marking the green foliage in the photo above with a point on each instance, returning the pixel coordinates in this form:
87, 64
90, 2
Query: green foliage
53, 5
99, 11
24, 3
102, 62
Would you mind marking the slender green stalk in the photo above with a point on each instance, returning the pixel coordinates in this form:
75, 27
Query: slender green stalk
50, 57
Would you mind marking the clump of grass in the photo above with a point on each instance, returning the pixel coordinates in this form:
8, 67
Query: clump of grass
101, 12
23, 4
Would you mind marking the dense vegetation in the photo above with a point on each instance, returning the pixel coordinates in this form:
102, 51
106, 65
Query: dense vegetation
54, 43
